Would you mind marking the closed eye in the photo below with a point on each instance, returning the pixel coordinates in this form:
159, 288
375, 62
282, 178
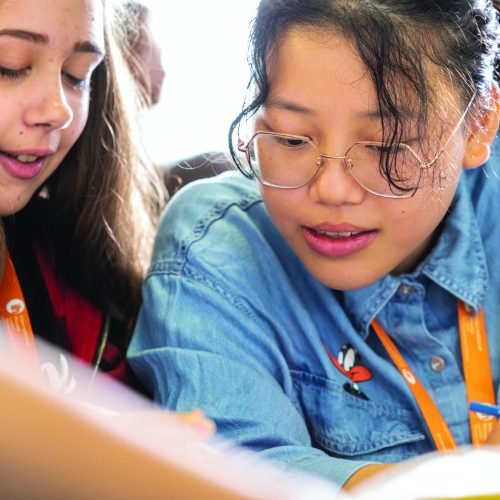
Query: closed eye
290, 142
80, 83
385, 149
13, 73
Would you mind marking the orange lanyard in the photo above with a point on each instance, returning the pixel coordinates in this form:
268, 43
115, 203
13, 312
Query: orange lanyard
477, 373
14, 313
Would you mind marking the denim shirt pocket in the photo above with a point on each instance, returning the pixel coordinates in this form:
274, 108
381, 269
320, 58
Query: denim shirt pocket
347, 426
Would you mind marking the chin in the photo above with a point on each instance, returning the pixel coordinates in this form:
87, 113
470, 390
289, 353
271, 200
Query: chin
342, 281
345, 274
11, 205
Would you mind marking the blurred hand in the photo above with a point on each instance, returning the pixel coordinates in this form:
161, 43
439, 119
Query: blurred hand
152, 419
197, 420
494, 437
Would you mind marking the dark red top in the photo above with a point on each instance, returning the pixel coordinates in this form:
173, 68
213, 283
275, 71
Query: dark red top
58, 313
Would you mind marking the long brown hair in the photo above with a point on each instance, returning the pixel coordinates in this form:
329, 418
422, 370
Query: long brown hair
105, 197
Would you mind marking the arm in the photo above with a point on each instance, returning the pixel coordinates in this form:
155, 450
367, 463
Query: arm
494, 437
199, 346
368, 472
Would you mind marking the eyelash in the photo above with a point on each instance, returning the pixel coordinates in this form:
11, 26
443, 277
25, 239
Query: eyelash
12, 73
15, 74
77, 83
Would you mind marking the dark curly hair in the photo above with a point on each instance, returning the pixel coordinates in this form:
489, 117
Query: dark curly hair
395, 40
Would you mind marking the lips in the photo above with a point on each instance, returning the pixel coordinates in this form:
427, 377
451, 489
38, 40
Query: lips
338, 240
23, 165
338, 236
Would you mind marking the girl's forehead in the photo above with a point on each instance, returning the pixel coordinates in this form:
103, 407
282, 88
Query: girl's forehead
318, 70
56, 19
324, 68
317, 58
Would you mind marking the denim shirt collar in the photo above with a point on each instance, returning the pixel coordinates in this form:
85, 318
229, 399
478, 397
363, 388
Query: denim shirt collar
457, 264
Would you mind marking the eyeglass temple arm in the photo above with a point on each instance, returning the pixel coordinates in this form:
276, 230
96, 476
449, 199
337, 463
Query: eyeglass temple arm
454, 131
242, 146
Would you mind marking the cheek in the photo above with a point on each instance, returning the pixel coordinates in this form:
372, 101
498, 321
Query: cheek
415, 221
11, 108
80, 110
283, 207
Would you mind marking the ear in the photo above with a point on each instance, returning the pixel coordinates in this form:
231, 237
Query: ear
483, 131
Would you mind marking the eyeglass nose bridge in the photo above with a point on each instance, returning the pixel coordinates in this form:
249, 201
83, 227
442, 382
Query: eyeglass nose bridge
322, 156
347, 164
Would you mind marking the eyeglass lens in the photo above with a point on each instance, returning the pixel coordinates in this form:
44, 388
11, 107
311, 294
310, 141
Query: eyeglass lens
289, 161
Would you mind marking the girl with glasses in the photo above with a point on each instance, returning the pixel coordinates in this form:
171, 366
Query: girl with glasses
334, 313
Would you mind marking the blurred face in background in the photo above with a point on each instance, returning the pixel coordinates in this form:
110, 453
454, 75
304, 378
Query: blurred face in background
148, 53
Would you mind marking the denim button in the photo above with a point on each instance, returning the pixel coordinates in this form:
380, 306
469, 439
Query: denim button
405, 289
470, 309
437, 364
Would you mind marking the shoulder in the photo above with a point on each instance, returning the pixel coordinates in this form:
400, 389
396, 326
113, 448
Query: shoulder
483, 184
212, 220
209, 198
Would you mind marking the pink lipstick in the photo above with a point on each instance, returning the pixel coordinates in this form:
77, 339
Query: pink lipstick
23, 164
338, 240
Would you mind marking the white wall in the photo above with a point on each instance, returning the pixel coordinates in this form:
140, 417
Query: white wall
205, 57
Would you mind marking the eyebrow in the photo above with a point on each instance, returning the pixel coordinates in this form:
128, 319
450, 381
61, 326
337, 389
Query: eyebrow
282, 103
42, 39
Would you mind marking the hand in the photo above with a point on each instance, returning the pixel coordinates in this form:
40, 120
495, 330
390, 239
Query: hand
152, 418
494, 437
197, 420
365, 473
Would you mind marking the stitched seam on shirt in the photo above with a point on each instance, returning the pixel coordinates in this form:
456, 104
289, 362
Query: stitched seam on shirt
353, 449
322, 385
166, 269
375, 306
177, 263
477, 296
241, 304
236, 300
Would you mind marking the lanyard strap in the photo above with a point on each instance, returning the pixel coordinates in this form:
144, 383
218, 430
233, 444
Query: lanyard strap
14, 313
477, 373
477, 370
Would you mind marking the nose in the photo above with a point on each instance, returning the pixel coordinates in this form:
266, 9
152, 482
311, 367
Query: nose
334, 184
49, 107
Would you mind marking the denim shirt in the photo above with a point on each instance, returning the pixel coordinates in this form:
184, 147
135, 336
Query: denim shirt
233, 323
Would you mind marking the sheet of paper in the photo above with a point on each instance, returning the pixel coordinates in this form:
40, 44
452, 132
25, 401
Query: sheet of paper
468, 473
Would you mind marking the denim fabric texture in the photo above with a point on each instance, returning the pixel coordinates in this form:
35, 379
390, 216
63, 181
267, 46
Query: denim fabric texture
233, 323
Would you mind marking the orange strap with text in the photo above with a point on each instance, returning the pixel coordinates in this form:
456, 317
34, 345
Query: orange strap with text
477, 373
477, 370
14, 314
